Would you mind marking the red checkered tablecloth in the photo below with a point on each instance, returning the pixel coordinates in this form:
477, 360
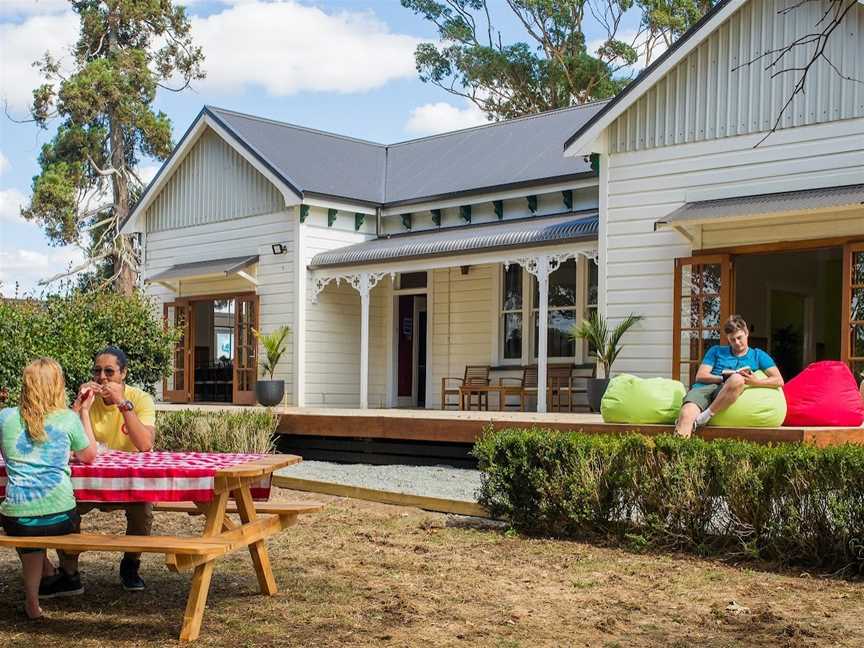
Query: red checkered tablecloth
152, 476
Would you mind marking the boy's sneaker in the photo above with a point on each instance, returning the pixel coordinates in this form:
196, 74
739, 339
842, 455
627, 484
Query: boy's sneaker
61, 584
132, 582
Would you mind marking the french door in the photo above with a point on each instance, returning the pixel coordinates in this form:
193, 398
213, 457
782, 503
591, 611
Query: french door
177, 387
703, 297
245, 350
852, 342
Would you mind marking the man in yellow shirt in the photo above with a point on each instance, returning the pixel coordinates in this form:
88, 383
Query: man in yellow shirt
123, 418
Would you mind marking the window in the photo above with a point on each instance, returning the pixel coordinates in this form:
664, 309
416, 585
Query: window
412, 280
511, 313
591, 297
562, 311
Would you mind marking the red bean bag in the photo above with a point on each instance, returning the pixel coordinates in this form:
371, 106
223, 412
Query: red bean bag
824, 394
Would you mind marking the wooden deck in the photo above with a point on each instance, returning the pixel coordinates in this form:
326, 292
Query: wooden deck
465, 427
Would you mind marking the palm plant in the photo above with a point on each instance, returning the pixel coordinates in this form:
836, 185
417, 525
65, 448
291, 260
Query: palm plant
605, 342
273, 344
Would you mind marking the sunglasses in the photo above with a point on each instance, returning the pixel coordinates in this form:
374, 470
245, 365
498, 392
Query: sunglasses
108, 371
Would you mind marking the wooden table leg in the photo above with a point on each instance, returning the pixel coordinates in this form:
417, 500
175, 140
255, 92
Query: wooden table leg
200, 587
258, 550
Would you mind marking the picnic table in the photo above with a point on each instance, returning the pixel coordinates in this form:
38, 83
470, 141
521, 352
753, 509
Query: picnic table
208, 484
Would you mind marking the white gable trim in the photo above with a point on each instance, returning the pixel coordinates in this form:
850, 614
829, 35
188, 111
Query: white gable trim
135, 221
589, 142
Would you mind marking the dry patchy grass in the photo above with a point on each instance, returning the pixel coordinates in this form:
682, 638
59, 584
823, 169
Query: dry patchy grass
362, 574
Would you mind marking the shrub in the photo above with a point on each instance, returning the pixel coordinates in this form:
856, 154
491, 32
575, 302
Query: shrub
71, 328
793, 504
222, 431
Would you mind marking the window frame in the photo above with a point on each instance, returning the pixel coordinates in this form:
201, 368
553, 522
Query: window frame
528, 309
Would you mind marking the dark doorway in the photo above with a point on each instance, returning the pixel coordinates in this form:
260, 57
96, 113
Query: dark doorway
411, 350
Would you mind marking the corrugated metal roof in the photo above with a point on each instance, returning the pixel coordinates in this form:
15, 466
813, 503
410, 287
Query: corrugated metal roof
517, 151
481, 238
764, 204
204, 268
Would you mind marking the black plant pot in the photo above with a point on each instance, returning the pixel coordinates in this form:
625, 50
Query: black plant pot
596, 389
269, 392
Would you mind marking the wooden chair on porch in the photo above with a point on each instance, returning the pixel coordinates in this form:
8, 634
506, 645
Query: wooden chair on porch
474, 375
568, 385
527, 386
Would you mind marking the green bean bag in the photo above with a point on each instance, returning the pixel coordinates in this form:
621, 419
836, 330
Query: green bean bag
756, 407
629, 399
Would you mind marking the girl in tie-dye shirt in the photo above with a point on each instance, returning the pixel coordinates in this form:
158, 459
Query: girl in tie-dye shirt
35, 439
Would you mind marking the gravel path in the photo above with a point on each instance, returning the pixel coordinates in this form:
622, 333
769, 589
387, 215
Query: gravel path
429, 481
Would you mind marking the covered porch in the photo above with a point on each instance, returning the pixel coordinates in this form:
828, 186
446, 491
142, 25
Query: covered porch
408, 313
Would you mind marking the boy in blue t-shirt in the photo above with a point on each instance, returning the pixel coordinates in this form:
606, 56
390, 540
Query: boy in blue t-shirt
722, 376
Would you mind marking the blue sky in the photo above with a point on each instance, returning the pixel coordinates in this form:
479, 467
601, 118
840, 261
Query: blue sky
345, 66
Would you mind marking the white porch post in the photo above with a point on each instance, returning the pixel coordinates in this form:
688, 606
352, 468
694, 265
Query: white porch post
542, 272
363, 288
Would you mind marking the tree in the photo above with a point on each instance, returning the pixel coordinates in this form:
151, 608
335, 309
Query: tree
126, 50
554, 68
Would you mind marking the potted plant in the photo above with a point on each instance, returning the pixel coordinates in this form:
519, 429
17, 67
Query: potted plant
606, 345
270, 392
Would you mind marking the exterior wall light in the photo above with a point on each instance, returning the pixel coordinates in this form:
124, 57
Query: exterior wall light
279, 248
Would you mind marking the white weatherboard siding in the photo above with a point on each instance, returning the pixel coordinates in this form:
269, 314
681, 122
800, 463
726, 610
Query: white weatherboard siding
238, 237
645, 186
332, 336
704, 97
212, 184
458, 334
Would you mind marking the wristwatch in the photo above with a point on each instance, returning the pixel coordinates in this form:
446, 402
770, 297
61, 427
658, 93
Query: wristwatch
126, 406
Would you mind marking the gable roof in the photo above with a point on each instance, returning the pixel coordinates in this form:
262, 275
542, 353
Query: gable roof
588, 131
307, 162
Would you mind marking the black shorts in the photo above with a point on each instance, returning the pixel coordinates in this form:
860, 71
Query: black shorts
41, 525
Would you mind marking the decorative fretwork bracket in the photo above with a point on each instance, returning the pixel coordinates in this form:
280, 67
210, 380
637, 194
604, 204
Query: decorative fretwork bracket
362, 282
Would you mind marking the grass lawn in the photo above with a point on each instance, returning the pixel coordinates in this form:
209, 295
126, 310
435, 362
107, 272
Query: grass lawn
363, 574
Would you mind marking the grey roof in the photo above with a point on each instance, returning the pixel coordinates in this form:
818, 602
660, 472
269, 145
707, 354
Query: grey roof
508, 153
478, 238
311, 160
203, 268
771, 203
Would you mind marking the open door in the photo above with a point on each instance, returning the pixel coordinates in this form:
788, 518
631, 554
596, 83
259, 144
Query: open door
177, 388
703, 296
852, 335
245, 350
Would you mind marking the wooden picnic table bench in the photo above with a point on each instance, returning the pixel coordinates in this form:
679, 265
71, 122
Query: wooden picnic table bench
231, 494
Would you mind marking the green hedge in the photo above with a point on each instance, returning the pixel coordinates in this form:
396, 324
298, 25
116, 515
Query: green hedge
793, 504
71, 328
222, 431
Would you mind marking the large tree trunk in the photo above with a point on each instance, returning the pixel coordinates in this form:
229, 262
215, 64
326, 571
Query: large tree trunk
124, 282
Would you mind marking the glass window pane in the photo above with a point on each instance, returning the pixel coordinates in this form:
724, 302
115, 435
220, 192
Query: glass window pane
512, 330
711, 312
858, 267
592, 282
857, 341
412, 280
558, 341
857, 307
562, 286
710, 278
512, 295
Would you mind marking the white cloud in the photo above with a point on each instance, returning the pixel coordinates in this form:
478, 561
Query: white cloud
286, 47
27, 267
11, 201
23, 43
441, 117
32, 7
4, 163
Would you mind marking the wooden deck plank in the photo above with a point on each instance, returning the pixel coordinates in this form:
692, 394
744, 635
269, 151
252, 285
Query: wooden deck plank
466, 427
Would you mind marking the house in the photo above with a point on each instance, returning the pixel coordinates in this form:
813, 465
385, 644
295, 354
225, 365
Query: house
399, 265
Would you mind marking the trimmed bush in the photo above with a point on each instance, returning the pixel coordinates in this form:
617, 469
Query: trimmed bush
197, 431
792, 504
72, 328
629, 399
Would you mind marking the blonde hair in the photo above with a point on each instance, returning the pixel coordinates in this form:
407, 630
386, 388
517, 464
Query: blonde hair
43, 390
